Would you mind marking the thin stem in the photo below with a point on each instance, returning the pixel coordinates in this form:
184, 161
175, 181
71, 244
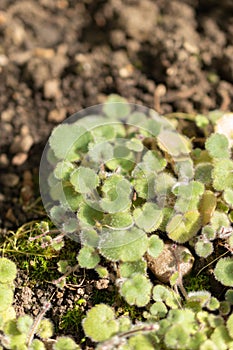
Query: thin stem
25, 253
37, 321
211, 263
120, 338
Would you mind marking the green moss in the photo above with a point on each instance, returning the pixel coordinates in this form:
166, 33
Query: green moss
39, 263
71, 321
104, 296
194, 283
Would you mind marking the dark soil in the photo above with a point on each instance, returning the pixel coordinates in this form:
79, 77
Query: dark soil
58, 57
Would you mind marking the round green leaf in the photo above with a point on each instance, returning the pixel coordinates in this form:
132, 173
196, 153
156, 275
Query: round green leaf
37, 345
135, 145
203, 249
88, 257
24, 323
72, 198
177, 336
181, 228
223, 174
103, 132
116, 107
218, 146
230, 325
67, 139
6, 297
116, 192
89, 237
87, 215
136, 290
45, 329
218, 220
208, 345
229, 296
63, 170
152, 161
208, 232
149, 217
67, 343
118, 220
127, 269
173, 143
203, 173
228, 197
158, 309
223, 271
139, 342
101, 152
129, 245
155, 246
7, 270
184, 169
100, 323
161, 293
84, 180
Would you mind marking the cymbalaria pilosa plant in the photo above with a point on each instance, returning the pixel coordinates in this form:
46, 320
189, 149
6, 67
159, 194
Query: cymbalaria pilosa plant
142, 198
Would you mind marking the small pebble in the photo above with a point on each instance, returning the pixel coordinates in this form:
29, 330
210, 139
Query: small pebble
57, 115
19, 158
7, 115
9, 180
52, 89
21, 143
126, 71
3, 60
24, 130
27, 142
4, 161
102, 283
167, 262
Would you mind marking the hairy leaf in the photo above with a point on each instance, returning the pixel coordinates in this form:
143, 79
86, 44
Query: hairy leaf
116, 107
88, 257
223, 271
218, 146
84, 180
181, 228
174, 144
127, 269
203, 173
65, 343
100, 323
136, 290
228, 197
67, 140
7, 270
223, 169
129, 245
121, 220
155, 246
116, 193
203, 248
149, 217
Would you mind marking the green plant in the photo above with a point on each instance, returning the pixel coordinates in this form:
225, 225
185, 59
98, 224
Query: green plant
18, 333
138, 196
